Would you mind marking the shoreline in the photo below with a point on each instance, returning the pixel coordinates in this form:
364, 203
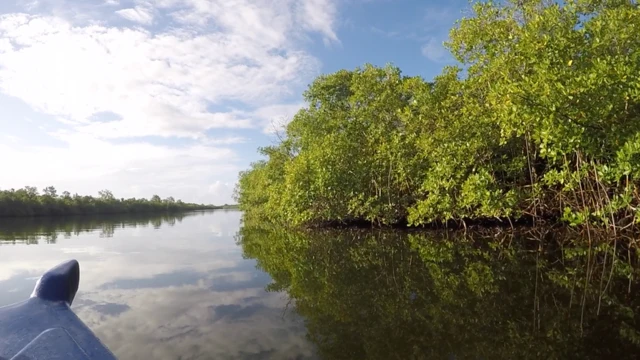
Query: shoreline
60, 215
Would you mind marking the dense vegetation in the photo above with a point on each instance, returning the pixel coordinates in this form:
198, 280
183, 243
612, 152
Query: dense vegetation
540, 120
447, 295
29, 202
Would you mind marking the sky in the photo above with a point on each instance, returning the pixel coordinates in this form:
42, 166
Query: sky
173, 97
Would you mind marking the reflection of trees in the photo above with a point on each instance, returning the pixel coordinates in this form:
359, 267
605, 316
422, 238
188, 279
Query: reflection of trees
51, 238
107, 229
387, 295
37, 229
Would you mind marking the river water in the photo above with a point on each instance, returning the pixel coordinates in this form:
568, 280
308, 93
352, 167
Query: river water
202, 286
157, 287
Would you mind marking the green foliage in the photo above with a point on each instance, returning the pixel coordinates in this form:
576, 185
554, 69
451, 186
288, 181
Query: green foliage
28, 202
441, 295
546, 118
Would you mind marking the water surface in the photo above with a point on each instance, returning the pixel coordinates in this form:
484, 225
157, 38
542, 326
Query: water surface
157, 287
494, 294
205, 286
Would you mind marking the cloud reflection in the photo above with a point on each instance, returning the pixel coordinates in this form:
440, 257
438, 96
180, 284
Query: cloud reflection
167, 293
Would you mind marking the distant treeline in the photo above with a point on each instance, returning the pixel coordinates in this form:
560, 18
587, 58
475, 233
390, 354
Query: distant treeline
540, 120
30, 202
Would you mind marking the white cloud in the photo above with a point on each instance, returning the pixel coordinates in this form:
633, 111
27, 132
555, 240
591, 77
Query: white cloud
225, 140
274, 118
219, 187
319, 16
273, 23
139, 14
88, 165
434, 50
436, 24
11, 138
29, 5
162, 81
160, 84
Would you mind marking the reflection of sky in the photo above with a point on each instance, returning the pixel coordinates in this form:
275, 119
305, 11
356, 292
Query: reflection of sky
180, 291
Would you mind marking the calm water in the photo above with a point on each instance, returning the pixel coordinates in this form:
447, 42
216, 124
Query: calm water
158, 287
202, 286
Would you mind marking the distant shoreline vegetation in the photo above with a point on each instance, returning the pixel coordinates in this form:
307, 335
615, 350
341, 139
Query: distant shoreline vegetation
540, 121
28, 201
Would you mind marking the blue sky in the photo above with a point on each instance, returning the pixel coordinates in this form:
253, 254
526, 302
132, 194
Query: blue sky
173, 97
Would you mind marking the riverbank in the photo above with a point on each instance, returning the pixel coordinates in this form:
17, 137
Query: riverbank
531, 130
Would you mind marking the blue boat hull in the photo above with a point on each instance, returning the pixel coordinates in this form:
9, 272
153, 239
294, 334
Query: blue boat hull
45, 327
